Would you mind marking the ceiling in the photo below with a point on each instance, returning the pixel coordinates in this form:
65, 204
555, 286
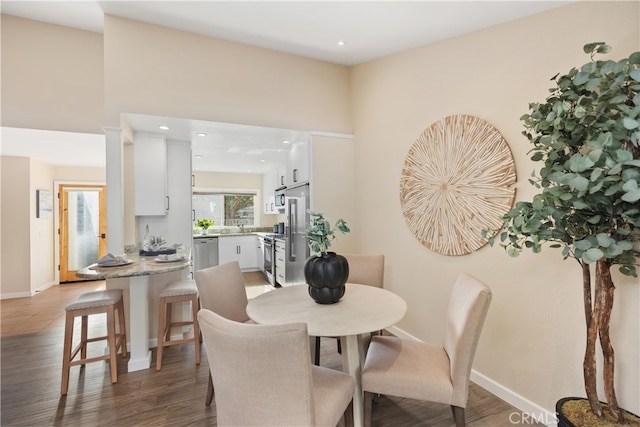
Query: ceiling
367, 29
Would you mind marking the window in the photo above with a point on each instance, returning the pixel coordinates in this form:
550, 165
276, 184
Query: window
226, 209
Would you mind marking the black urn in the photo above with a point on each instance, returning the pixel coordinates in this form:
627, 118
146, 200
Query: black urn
326, 276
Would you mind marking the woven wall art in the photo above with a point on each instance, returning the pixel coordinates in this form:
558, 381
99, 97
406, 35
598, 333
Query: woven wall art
458, 178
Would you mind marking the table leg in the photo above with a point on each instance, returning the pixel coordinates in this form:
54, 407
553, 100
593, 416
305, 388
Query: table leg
352, 364
140, 355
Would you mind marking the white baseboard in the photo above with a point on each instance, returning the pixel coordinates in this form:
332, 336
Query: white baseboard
44, 287
16, 295
28, 294
528, 412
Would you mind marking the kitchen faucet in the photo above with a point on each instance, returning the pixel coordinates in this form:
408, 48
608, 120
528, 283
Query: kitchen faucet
241, 228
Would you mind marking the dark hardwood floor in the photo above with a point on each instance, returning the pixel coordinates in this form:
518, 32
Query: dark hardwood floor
31, 362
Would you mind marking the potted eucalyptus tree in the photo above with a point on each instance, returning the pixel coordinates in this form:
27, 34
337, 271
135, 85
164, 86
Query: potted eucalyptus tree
325, 272
586, 134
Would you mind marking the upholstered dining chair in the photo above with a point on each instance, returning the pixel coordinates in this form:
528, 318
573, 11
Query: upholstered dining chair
254, 364
436, 373
364, 269
221, 289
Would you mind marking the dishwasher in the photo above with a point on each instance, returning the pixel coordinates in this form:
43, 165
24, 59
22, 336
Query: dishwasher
205, 252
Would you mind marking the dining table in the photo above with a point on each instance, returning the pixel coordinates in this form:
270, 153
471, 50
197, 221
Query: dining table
363, 309
137, 270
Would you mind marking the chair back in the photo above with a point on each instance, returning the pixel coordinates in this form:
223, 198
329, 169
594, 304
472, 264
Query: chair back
366, 269
466, 312
222, 291
262, 373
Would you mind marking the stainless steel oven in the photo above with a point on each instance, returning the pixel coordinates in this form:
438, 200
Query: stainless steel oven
269, 250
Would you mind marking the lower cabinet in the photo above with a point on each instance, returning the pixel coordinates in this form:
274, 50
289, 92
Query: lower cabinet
280, 262
239, 248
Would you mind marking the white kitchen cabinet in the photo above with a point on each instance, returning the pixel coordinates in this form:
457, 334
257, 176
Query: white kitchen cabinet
179, 214
269, 181
239, 248
297, 165
280, 262
150, 160
281, 176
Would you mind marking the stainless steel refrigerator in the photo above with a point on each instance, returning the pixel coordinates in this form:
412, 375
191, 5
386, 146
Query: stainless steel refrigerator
296, 225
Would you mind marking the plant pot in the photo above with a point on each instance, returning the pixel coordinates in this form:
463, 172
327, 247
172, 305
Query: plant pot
326, 276
565, 420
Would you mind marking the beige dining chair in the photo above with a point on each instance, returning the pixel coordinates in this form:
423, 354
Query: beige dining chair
221, 289
364, 269
435, 373
263, 376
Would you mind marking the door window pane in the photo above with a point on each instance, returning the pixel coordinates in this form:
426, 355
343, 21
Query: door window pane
83, 228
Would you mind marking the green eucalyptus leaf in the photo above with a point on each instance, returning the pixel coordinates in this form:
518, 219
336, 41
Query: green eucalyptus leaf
594, 219
513, 252
630, 123
604, 240
592, 255
631, 196
579, 183
583, 244
624, 155
595, 174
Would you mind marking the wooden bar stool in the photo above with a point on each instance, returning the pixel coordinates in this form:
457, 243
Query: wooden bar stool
89, 303
177, 291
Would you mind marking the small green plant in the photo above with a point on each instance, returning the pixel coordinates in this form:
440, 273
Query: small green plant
204, 223
320, 233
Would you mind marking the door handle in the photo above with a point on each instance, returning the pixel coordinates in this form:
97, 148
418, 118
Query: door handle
102, 236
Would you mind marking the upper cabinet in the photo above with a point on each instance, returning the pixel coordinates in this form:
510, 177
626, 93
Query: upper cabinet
298, 161
269, 185
150, 159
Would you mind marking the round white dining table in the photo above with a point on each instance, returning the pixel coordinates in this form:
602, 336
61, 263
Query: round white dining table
362, 309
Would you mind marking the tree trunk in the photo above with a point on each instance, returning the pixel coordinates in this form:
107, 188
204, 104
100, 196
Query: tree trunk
603, 275
592, 317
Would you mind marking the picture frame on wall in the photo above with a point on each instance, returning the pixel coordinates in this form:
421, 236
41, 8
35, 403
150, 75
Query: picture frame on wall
44, 204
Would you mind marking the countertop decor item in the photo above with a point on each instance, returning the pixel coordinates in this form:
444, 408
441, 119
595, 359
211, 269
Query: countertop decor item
586, 133
458, 177
326, 273
204, 224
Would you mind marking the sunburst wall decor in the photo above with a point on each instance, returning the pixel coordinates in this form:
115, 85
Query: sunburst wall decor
458, 178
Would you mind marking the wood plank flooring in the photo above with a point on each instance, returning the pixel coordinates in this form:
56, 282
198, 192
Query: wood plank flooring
31, 361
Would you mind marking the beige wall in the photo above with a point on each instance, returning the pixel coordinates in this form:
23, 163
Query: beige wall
156, 70
534, 335
15, 274
51, 77
333, 187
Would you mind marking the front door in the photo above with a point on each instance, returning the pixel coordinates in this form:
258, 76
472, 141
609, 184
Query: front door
82, 228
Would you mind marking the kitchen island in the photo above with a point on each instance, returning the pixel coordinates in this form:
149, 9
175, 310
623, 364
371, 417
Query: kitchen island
134, 278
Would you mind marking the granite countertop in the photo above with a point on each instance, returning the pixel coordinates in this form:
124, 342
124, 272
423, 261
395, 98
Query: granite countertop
139, 266
246, 233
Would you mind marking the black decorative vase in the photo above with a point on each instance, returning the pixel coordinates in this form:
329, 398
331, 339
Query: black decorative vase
326, 276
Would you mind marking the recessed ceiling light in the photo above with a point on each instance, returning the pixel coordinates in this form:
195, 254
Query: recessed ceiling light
163, 127
199, 156
262, 160
286, 142
201, 134
342, 42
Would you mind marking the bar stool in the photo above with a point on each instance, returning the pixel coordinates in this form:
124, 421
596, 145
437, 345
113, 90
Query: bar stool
177, 291
89, 303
